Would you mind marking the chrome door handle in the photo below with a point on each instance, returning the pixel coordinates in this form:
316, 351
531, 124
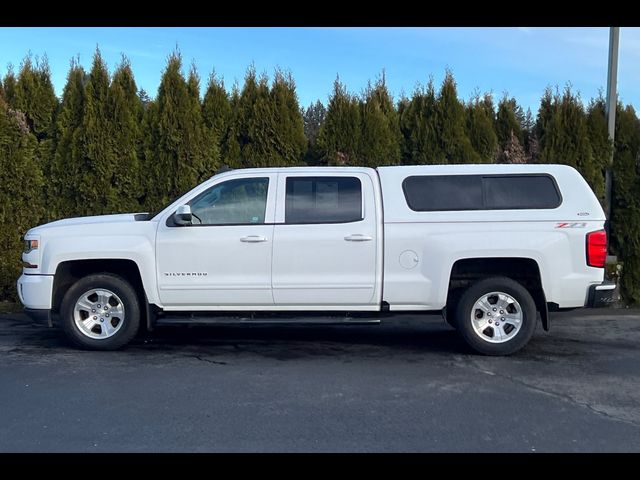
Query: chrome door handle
253, 239
358, 237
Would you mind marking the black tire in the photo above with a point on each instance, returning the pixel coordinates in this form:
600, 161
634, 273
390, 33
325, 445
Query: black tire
450, 316
130, 322
467, 301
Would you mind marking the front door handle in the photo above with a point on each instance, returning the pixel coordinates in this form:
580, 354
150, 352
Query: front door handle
358, 237
253, 239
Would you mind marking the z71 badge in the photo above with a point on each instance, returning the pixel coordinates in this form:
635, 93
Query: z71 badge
571, 225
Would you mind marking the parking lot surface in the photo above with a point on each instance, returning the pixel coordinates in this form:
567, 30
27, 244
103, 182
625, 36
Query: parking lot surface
406, 385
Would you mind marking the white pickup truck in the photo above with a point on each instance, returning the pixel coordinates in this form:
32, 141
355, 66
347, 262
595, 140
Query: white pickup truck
490, 247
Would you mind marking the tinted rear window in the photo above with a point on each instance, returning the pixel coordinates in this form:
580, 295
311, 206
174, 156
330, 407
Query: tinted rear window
429, 193
323, 200
520, 192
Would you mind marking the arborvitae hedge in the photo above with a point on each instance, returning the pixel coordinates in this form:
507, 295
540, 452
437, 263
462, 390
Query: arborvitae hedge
9, 87
564, 137
380, 129
288, 140
21, 202
451, 125
625, 209
600, 144
125, 115
175, 155
216, 113
507, 121
62, 185
105, 147
34, 96
339, 137
93, 192
313, 118
420, 134
480, 127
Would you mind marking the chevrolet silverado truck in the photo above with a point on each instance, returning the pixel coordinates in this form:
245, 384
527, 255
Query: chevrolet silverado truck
493, 248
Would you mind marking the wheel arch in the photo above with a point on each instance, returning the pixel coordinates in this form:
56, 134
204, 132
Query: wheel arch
68, 272
524, 270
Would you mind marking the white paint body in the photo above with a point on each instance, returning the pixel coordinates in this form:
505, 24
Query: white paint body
407, 262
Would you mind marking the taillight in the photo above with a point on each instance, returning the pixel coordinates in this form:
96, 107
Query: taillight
597, 248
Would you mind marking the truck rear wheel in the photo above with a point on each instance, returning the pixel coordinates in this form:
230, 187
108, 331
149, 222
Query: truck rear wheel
496, 316
100, 312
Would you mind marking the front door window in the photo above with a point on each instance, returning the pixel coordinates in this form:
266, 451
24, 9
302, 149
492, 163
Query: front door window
242, 201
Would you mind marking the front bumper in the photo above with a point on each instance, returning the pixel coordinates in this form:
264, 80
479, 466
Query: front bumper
602, 295
35, 291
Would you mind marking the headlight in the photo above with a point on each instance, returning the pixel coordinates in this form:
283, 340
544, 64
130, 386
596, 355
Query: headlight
30, 245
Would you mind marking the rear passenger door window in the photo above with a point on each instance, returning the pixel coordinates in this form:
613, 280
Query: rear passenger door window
323, 200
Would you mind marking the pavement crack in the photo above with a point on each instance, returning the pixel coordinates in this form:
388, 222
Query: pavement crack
563, 396
202, 359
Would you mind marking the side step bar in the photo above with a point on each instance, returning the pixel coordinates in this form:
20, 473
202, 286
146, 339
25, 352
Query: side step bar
230, 320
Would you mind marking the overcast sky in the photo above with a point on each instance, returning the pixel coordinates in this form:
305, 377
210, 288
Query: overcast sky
521, 61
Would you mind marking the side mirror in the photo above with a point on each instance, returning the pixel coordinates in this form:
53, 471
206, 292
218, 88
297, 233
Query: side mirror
182, 215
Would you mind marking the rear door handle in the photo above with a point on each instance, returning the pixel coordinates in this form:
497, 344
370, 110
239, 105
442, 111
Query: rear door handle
358, 237
253, 239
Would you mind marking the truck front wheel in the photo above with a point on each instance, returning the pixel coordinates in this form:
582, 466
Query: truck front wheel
100, 312
496, 316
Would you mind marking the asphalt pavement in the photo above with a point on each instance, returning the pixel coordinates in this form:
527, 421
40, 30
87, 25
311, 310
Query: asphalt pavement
406, 385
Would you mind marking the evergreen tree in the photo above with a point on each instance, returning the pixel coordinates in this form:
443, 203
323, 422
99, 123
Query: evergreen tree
451, 125
20, 196
34, 96
268, 126
144, 98
419, 128
254, 121
512, 151
63, 184
625, 208
216, 113
150, 199
339, 136
125, 116
508, 123
599, 135
96, 163
530, 142
9, 87
289, 141
480, 128
313, 118
202, 147
546, 117
565, 138
401, 108
231, 142
193, 83
174, 149
380, 130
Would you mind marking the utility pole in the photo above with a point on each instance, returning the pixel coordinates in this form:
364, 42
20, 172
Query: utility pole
612, 102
